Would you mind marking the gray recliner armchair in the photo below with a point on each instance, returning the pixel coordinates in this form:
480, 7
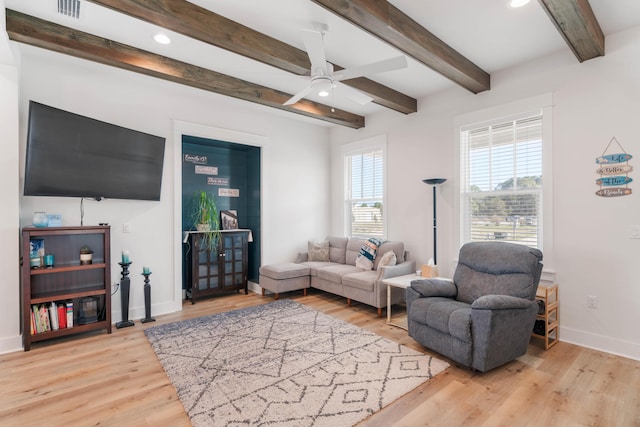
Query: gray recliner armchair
484, 317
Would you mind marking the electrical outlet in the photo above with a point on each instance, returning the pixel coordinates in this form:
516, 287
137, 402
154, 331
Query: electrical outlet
592, 301
126, 227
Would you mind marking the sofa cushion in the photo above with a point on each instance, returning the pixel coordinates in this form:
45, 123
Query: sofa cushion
286, 270
364, 280
318, 251
335, 272
387, 259
445, 315
396, 247
314, 266
353, 249
338, 249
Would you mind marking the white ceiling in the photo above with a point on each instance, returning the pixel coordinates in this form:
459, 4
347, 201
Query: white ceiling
488, 32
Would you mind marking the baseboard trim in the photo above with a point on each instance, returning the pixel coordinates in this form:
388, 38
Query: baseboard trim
11, 344
602, 343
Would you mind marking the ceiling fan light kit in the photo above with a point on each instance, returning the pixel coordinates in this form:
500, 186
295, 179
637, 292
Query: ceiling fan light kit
323, 80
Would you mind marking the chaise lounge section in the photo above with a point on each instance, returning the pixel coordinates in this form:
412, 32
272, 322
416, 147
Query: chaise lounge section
333, 266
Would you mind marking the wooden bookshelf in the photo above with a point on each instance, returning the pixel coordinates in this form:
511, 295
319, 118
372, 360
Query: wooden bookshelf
67, 280
549, 315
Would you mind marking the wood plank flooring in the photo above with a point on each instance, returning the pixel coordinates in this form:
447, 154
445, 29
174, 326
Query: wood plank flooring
116, 380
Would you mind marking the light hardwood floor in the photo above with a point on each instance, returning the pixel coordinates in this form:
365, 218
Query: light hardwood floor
116, 380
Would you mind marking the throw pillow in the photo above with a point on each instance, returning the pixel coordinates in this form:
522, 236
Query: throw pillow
318, 251
389, 258
368, 253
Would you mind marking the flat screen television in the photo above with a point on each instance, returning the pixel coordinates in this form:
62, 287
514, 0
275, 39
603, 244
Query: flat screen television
69, 155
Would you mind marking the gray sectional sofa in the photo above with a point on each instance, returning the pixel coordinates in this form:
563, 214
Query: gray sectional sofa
338, 274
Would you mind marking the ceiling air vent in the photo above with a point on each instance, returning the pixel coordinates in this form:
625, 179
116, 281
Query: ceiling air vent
69, 7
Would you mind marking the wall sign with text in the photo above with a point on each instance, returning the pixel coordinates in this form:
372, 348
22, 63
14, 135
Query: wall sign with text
613, 170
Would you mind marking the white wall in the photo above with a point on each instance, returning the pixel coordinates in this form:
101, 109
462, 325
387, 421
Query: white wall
9, 208
593, 102
295, 164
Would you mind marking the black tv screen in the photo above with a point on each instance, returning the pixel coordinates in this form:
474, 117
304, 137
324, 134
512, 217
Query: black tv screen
70, 155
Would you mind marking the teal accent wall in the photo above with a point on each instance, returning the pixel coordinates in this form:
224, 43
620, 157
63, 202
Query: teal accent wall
238, 168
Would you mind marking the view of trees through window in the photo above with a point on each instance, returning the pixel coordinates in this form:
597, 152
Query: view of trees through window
502, 175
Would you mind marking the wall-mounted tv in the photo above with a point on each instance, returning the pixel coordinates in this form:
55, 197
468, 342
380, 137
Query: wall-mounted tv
70, 155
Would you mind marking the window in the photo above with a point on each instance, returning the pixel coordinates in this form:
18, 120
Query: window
501, 186
364, 192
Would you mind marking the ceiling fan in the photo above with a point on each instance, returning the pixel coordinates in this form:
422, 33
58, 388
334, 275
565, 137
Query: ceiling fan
323, 80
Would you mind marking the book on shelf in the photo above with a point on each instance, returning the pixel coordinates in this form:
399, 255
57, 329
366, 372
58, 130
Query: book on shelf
69, 314
53, 316
62, 315
44, 318
35, 318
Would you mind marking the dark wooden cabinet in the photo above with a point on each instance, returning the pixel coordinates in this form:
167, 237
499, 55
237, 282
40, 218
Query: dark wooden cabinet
218, 270
84, 287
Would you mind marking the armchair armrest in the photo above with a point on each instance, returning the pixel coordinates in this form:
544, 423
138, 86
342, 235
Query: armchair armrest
501, 302
435, 288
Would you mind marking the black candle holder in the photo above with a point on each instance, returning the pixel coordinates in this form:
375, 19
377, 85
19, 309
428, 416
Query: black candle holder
147, 299
125, 288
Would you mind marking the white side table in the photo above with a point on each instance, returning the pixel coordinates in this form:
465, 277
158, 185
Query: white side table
398, 282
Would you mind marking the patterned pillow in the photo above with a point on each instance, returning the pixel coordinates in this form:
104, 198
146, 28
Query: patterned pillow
389, 258
368, 253
318, 251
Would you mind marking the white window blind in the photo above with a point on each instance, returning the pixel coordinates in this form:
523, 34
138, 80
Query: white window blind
501, 182
364, 172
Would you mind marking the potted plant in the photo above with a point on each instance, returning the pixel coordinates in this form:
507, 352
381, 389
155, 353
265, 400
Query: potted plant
86, 255
204, 214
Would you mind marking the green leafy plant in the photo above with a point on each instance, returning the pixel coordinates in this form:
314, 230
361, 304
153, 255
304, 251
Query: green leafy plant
204, 214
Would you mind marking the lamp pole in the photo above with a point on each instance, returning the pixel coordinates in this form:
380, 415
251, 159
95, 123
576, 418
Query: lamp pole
434, 182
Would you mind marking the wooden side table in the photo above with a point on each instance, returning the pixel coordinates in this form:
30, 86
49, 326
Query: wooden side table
548, 315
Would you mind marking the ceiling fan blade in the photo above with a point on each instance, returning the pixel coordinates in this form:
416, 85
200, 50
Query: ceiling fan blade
298, 96
353, 94
373, 68
315, 49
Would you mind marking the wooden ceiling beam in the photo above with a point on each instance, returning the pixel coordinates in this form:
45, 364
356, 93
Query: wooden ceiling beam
47, 35
201, 24
388, 23
578, 25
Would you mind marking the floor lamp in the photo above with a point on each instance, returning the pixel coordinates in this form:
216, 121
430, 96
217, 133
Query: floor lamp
435, 182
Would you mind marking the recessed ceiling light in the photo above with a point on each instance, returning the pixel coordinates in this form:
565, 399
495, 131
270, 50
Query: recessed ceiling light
518, 3
162, 38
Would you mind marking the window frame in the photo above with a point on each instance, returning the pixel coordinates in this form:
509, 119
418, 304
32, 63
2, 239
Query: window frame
543, 105
496, 149
375, 143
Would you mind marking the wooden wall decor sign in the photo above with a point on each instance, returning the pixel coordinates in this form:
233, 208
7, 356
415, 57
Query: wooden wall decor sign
614, 172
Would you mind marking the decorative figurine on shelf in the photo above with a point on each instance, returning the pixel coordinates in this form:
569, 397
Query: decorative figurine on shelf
86, 255
125, 286
146, 272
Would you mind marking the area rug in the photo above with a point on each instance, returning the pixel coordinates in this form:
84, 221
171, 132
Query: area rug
284, 364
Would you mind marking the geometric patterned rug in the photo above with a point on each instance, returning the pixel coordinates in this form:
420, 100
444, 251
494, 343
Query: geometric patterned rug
284, 364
